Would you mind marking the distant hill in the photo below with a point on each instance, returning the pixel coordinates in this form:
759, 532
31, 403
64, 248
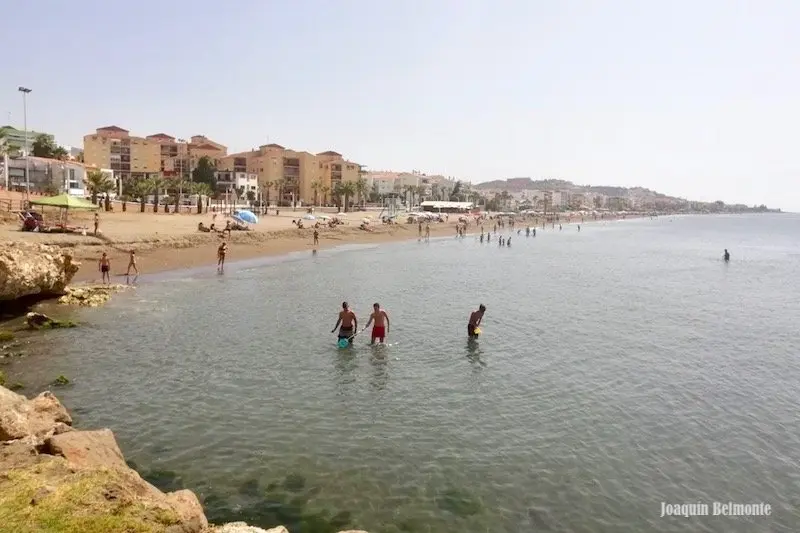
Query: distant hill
520, 184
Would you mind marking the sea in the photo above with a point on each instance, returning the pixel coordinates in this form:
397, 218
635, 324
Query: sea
621, 368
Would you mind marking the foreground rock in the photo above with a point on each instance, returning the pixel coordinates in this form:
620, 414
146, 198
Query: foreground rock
41, 321
90, 295
54, 478
28, 269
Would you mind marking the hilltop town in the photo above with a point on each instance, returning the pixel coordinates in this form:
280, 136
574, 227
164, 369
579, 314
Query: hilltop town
162, 167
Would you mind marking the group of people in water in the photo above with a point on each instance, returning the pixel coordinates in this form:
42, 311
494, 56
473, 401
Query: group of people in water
347, 324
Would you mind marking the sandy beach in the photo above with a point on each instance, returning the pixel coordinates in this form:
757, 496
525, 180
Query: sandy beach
171, 241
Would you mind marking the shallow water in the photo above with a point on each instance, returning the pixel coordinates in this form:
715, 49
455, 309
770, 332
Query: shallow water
619, 367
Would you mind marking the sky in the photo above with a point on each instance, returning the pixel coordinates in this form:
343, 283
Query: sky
697, 99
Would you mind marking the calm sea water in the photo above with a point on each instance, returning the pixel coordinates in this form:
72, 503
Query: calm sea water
619, 367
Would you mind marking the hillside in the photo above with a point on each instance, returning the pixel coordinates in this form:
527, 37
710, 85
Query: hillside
515, 185
521, 184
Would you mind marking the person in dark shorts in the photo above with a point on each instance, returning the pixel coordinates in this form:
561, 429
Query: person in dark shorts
105, 268
348, 321
474, 321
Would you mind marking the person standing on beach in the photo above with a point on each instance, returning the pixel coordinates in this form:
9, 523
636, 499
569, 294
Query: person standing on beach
427, 231
221, 252
132, 264
105, 268
381, 320
475, 319
96, 223
349, 323
726, 256
316, 237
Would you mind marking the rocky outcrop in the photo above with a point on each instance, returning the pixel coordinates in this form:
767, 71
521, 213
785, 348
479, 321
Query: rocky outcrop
34, 420
89, 295
28, 270
50, 472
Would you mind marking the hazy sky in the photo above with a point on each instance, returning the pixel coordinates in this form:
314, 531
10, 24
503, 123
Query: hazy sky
699, 99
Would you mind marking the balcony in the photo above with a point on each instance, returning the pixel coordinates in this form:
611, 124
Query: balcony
291, 162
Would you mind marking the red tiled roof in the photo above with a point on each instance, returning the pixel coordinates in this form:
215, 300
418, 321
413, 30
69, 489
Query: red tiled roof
330, 152
161, 136
273, 145
112, 128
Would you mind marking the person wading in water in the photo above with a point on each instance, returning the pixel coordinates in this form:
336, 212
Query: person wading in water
349, 323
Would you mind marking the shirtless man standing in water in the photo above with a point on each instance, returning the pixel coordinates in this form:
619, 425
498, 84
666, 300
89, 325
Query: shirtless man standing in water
349, 322
381, 320
475, 321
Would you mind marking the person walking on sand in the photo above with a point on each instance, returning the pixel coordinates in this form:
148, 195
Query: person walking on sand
105, 268
349, 323
221, 252
475, 319
132, 264
381, 323
316, 237
427, 231
96, 223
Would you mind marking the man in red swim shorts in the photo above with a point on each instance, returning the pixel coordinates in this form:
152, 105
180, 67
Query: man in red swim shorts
381, 323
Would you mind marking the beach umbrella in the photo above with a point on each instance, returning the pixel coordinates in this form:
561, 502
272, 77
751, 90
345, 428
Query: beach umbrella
309, 217
323, 217
239, 220
247, 216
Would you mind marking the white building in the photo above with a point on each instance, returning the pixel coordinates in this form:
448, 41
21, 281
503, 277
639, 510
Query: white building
227, 180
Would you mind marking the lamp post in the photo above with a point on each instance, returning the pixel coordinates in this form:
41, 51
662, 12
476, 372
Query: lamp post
25, 91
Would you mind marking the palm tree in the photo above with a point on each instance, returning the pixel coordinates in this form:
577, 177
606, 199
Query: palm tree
266, 186
157, 183
325, 190
280, 184
316, 186
200, 189
338, 192
97, 182
361, 188
180, 186
142, 189
348, 190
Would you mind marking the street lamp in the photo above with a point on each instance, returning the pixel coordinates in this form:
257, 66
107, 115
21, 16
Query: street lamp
25, 91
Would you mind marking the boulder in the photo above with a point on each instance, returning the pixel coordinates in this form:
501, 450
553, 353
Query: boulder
87, 449
190, 512
28, 269
89, 295
42, 321
35, 419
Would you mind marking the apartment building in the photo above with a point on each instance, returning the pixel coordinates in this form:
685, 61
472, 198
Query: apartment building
132, 157
334, 169
179, 156
16, 138
128, 156
292, 172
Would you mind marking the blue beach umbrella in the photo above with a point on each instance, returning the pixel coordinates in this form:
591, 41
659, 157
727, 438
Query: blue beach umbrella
247, 216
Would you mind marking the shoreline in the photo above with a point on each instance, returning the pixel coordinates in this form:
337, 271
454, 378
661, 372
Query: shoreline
169, 242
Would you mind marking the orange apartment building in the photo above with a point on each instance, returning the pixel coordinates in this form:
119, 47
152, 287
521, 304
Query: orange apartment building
133, 157
296, 171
